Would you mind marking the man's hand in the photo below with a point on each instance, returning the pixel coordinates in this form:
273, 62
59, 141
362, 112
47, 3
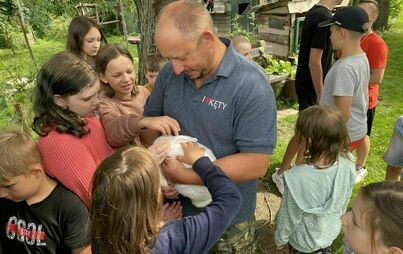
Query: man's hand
164, 124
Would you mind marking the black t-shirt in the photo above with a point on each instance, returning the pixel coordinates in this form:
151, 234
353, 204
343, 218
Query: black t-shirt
313, 37
57, 224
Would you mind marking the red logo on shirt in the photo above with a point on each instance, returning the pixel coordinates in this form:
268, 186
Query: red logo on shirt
31, 233
216, 104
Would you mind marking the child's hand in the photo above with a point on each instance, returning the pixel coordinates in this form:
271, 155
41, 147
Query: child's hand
160, 150
171, 211
191, 153
282, 249
164, 124
170, 192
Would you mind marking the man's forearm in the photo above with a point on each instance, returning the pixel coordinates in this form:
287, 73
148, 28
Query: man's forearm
239, 167
317, 78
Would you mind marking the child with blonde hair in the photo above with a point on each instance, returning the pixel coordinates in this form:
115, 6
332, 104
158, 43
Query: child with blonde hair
318, 190
38, 215
375, 223
127, 200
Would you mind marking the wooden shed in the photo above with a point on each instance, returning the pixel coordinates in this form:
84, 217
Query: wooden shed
226, 10
279, 23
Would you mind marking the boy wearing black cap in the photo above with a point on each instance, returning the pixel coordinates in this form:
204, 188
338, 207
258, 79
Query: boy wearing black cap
346, 84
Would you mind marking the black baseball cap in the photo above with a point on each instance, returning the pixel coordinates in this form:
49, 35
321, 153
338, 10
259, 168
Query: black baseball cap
351, 18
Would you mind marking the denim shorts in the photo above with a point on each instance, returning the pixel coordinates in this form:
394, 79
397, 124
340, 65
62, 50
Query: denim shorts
394, 154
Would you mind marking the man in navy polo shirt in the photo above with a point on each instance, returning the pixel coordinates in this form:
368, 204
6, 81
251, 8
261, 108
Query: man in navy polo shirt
223, 100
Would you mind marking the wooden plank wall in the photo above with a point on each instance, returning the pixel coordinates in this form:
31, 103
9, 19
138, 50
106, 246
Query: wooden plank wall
222, 21
275, 29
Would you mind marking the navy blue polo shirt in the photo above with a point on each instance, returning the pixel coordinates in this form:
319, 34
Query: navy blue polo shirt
233, 111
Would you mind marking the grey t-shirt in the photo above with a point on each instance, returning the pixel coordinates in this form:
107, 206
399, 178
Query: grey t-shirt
349, 77
234, 111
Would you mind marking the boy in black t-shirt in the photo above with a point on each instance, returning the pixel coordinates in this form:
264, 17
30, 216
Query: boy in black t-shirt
37, 215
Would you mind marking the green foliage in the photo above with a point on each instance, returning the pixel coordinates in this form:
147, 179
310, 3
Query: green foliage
279, 66
11, 35
58, 27
237, 29
395, 8
16, 95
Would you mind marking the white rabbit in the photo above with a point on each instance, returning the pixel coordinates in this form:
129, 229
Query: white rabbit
199, 195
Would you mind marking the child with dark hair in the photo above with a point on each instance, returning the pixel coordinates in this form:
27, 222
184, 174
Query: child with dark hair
375, 223
318, 190
127, 200
153, 65
84, 38
38, 215
72, 141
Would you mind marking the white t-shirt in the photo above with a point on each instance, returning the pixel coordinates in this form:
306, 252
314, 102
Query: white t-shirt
349, 76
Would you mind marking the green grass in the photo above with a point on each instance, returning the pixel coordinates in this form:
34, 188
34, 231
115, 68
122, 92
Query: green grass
389, 108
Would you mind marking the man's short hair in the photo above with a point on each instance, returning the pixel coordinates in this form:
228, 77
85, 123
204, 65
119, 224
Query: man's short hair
374, 5
189, 17
18, 153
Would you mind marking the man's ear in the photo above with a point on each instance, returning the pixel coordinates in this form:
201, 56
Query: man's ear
395, 250
207, 38
59, 100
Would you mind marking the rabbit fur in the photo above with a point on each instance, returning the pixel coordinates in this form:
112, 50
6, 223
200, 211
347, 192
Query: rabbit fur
199, 195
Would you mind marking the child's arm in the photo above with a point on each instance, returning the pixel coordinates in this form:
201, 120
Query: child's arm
343, 103
75, 226
288, 216
200, 232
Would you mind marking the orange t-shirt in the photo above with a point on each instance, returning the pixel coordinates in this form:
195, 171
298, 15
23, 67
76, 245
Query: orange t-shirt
377, 52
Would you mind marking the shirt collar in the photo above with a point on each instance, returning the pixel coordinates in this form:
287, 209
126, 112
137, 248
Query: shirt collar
227, 65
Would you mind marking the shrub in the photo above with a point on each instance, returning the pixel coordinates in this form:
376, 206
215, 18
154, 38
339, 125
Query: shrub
58, 27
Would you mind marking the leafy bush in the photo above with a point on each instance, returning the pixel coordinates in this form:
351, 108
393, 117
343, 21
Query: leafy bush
237, 29
395, 8
279, 66
15, 104
58, 27
11, 35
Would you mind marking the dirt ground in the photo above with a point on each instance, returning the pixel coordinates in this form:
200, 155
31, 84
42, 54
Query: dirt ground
268, 202
267, 205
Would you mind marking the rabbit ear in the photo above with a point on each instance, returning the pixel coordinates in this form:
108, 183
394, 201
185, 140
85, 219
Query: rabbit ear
183, 138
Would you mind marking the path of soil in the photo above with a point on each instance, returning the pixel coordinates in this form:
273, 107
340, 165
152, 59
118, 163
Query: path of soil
268, 203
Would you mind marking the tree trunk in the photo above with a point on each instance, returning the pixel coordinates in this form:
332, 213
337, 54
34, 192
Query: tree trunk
382, 21
147, 12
